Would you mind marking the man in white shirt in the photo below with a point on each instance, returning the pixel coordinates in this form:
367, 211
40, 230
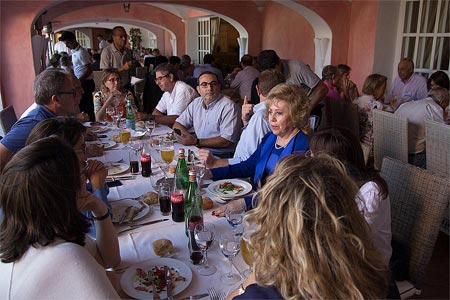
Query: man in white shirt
408, 86
82, 67
417, 112
177, 96
61, 47
256, 125
215, 119
102, 43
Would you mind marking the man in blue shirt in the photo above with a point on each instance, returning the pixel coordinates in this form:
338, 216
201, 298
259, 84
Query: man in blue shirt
55, 95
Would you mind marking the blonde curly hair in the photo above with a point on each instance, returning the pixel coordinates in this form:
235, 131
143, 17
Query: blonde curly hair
311, 241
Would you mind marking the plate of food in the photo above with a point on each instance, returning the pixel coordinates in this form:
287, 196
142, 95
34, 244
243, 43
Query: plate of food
104, 144
136, 281
230, 188
99, 129
117, 168
129, 209
137, 134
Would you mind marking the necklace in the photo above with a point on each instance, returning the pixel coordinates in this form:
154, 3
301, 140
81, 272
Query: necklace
278, 147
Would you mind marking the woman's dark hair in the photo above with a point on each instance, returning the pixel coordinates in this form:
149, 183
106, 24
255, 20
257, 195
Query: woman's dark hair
67, 128
345, 146
38, 196
439, 78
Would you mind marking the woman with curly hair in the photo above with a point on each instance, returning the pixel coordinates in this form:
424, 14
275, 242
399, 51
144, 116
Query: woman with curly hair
311, 242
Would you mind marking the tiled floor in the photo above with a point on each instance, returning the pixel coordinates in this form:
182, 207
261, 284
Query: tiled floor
436, 285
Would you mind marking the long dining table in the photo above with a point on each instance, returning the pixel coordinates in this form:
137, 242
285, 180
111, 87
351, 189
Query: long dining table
136, 244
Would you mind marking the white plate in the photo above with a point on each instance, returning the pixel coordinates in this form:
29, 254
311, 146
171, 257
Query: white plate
117, 168
104, 144
214, 188
129, 278
119, 207
137, 134
99, 129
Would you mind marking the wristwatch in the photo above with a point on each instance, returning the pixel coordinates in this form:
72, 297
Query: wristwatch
197, 143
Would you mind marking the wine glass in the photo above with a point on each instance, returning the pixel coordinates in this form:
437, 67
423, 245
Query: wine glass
118, 115
230, 246
150, 126
200, 169
234, 214
110, 112
167, 151
204, 236
249, 229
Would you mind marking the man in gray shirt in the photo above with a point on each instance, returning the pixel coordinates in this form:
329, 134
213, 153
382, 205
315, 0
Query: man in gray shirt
215, 119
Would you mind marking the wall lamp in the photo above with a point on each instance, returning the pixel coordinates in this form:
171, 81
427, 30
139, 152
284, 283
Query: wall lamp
126, 7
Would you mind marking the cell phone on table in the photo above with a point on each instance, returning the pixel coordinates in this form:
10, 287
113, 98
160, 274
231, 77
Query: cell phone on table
114, 183
177, 131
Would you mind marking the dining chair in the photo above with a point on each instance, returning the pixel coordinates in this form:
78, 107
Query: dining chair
97, 76
437, 137
7, 119
390, 137
418, 204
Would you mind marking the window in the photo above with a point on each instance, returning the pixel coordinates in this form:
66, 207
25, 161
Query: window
204, 38
426, 35
83, 39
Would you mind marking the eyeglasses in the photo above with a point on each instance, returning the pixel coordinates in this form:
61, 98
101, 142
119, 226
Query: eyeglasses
205, 84
114, 79
73, 93
157, 79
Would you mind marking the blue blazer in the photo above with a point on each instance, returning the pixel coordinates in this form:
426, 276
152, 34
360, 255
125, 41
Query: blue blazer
255, 165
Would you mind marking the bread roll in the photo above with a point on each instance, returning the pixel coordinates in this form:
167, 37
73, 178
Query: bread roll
151, 198
162, 247
207, 203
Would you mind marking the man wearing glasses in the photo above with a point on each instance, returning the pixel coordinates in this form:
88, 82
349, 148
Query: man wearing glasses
177, 96
55, 95
215, 119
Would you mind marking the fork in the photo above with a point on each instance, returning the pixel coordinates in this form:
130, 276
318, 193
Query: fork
214, 295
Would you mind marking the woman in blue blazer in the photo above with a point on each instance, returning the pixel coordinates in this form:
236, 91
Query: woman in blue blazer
288, 114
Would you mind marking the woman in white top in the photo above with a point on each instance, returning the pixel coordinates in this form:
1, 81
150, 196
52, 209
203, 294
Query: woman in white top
42, 232
373, 198
373, 93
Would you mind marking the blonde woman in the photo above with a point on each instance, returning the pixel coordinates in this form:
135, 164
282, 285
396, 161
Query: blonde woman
311, 241
110, 94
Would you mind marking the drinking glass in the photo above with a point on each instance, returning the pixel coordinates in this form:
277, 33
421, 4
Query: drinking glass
204, 236
118, 115
234, 215
164, 190
150, 126
125, 136
167, 151
110, 112
230, 245
135, 156
314, 122
200, 169
249, 229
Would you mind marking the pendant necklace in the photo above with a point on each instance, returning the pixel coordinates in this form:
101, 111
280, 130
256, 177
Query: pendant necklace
278, 147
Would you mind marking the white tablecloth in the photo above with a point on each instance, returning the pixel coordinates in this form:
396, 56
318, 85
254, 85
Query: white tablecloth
136, 245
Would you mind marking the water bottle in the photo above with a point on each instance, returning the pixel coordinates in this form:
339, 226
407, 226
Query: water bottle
130, 117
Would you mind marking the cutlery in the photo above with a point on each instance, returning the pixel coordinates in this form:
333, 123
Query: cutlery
168, 283
125, 177
133, 227
125, 213
193, 297
155, 294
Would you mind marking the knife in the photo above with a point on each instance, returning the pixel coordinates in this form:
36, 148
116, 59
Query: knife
125, 214
194, 297
132, 227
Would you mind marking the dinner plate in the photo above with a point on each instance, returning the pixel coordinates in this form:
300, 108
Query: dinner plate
104, 144
140, 288
214, 188
137, 134
99, 129
119, 207
117, 168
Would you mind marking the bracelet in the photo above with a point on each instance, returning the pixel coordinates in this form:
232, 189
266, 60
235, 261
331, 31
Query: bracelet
198, 142
101, 217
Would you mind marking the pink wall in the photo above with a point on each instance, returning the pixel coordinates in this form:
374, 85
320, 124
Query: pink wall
288, 33
361, 46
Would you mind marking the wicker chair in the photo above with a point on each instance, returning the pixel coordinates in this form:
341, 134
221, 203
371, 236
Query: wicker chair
7, 119
390, 137
438, 155
418, 202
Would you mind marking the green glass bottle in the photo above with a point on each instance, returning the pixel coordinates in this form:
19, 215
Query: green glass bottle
190, 195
